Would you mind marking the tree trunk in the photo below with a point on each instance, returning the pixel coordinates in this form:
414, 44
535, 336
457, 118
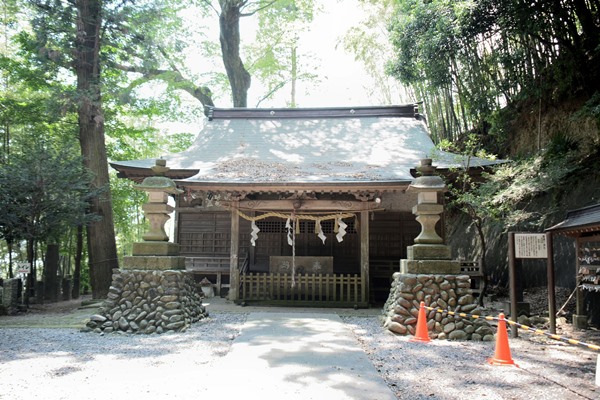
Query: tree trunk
51, 282
77, 272
101, 237
239, 78
9, 245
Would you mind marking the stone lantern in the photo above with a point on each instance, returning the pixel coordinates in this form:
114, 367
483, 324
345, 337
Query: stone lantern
156, 252
429, 254
151, 292
430, 277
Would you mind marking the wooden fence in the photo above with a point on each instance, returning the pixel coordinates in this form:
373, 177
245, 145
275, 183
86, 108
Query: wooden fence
328, 290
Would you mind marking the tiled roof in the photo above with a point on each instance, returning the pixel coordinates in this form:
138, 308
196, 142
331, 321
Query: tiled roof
582, 219
331, 145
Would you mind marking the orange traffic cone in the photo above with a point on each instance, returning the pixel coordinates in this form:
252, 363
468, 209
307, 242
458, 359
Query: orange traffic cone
502, 355
421, 334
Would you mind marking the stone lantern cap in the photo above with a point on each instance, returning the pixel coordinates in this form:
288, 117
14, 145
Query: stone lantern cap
427, 181
159, 182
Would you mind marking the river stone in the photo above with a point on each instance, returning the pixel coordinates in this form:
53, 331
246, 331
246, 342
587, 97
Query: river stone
141, 316
442, 304
112, 296
123, 324
467, 308
98, 318
410, 321
488, 338
404, 303
410, 280
175, 326
408, 296
397, 328
175, 318
477, 337
457, 335
401, 310
420, 295
168, 298
449, 327
467, 299
172, 305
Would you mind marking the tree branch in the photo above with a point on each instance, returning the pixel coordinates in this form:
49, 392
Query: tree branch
260, 8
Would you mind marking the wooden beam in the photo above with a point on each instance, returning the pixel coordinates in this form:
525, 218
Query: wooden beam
307, 205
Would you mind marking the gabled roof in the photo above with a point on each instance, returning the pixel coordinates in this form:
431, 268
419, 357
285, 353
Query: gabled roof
579, 221
304, 146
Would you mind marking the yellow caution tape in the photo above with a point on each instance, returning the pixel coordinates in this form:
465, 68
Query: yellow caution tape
518, 325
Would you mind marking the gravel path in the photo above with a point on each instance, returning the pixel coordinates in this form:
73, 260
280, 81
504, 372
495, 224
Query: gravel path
63, 363
443, 369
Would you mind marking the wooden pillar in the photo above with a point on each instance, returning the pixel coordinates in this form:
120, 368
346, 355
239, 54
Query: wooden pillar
364, 255
580, 318
512, 283
551, 285
234, 271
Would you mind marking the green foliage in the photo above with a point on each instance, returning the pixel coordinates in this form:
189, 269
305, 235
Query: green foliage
468, 59
273, 56
42, 191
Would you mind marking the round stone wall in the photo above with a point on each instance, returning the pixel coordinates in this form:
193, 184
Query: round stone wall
447, 292
145, 301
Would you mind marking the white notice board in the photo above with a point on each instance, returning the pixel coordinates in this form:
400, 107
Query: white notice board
531, 245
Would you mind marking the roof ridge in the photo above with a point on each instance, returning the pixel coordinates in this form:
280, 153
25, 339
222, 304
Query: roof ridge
402, 111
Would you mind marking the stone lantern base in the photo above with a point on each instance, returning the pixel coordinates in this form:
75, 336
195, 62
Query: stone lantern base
440, 291
149, 301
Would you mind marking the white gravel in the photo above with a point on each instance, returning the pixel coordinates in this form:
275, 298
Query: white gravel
443, 369
56, 364
53, 364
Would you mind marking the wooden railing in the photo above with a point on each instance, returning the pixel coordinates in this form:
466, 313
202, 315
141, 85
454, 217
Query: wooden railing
308, 289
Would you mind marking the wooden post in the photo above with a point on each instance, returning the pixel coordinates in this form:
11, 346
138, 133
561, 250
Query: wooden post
512, 279
234, 271
579, 297
364, 255
551, 294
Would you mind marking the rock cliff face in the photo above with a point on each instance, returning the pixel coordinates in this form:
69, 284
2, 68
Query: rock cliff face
550, 208
534, 124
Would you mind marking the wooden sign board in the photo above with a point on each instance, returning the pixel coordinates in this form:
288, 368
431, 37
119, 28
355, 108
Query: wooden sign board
531, 245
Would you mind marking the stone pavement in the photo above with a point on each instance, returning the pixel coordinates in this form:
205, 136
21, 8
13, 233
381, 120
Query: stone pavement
292, 353
297, 356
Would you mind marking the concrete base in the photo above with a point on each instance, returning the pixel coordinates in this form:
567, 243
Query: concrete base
580, 321
429, 252
430, 267
160, 263
155, 249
